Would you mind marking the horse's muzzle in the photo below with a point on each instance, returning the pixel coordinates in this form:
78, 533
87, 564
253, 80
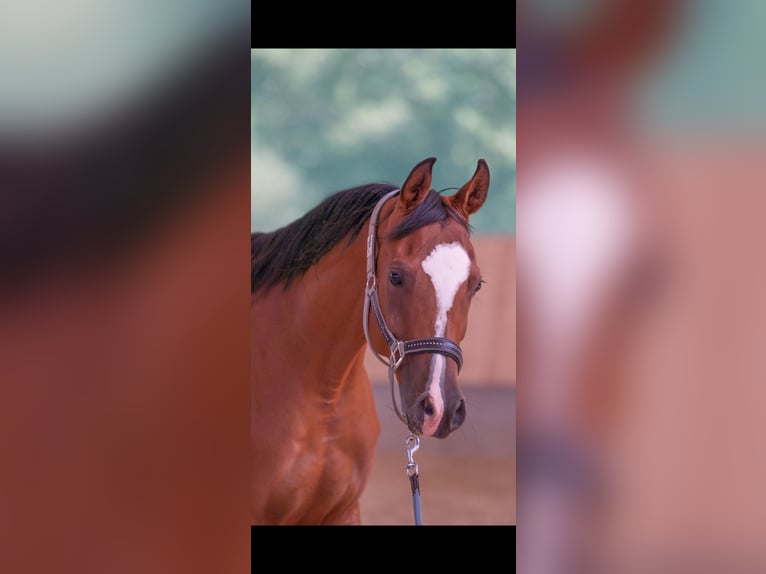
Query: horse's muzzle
420, 417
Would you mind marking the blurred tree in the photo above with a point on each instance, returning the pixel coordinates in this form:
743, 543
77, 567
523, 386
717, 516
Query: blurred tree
324, 120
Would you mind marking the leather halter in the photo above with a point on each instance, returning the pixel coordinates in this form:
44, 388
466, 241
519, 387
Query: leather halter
399, 349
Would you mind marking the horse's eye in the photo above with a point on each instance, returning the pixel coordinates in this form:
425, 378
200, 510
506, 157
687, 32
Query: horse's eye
479, 286
395, 278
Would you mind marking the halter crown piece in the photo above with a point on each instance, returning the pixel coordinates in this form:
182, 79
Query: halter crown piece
399, 349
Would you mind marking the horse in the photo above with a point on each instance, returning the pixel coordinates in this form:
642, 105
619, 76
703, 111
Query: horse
314, 427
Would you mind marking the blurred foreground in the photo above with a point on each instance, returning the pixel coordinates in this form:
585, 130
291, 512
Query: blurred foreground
640, 296
124, 369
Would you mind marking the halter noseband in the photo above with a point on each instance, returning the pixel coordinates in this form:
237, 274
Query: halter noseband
399, 349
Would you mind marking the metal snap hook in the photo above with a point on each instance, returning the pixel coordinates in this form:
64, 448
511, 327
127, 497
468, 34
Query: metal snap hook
413, 444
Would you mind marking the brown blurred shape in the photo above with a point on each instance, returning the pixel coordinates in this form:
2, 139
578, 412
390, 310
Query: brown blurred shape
123, 332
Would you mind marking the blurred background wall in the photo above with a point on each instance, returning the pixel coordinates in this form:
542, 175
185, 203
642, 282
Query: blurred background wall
326, 120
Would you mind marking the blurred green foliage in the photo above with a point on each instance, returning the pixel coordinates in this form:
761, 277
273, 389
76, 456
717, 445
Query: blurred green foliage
324, 120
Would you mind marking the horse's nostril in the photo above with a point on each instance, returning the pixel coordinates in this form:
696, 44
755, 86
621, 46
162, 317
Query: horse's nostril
459, 416
428, 408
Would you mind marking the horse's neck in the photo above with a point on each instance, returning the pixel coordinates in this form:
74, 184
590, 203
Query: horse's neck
328, 302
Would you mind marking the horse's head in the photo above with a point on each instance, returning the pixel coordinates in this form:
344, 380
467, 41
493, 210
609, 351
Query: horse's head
427, 276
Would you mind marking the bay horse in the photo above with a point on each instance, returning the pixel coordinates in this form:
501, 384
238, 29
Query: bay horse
314, 426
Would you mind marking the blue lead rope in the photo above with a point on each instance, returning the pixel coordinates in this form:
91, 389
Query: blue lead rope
416, 499
413, 444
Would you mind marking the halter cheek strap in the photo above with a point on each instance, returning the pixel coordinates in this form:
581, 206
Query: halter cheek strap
399, 349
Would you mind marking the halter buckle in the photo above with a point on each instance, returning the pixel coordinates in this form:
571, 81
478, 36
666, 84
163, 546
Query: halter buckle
401, 351
371, 284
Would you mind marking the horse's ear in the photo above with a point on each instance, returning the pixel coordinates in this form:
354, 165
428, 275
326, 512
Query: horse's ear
471, 196
417, 185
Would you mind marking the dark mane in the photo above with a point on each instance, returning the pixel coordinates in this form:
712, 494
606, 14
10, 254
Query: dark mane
287, 253
430, 210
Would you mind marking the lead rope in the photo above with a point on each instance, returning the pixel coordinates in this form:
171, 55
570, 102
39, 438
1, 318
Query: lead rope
413, 444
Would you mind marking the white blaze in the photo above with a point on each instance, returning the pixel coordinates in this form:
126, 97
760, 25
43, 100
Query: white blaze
448, 266
580, 228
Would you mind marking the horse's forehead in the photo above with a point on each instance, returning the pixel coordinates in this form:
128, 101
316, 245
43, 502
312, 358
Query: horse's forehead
448, 265
422, 242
